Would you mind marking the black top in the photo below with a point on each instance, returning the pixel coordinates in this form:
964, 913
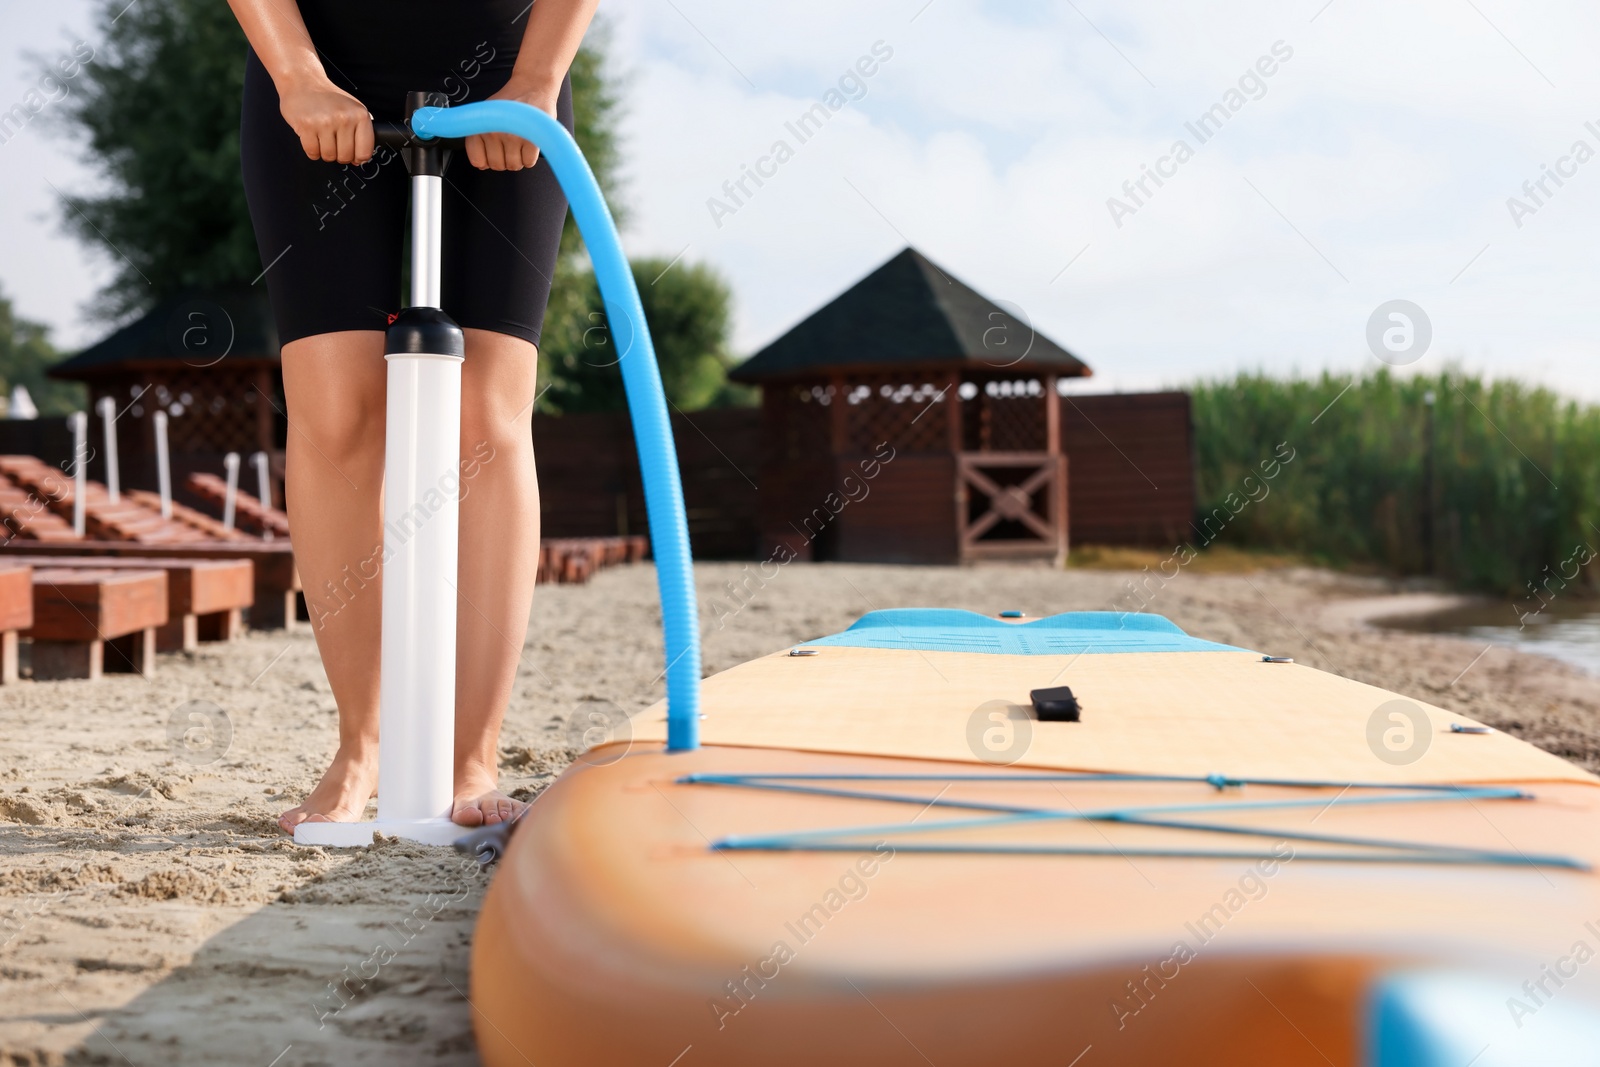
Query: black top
378, 50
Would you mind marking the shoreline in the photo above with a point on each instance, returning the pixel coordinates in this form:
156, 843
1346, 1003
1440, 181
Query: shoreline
1369, 611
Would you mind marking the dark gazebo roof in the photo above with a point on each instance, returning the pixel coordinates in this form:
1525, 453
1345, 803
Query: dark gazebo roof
909, 312
194, 331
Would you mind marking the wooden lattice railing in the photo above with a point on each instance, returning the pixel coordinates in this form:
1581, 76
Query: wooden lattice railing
1011, 504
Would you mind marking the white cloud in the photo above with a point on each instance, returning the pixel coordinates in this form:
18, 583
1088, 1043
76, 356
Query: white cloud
994, 135
1389, 143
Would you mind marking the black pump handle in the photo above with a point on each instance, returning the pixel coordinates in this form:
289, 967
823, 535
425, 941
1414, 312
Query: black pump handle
399, 135
422, 157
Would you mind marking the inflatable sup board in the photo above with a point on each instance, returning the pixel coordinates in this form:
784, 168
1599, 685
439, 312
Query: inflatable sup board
887, 851
941, 838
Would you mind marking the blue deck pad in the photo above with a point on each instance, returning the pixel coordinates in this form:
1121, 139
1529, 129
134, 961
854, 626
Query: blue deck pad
1070, 633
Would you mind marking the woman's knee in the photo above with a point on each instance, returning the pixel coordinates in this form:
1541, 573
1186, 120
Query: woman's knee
334, 385
489, 429
351, 434
498, 387
488, 441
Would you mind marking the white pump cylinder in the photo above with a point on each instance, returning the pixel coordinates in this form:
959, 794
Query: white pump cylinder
421, 498
421, 506
416, 721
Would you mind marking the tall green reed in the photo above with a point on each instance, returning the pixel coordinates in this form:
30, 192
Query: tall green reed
1513, 497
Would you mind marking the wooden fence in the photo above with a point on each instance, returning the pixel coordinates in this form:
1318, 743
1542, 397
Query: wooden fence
1130, 479
1131, 473
589, 482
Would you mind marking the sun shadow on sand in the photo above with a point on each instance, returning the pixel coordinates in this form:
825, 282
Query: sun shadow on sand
367, 963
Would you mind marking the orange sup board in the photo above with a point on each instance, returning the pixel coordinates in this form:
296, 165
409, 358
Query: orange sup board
881, 854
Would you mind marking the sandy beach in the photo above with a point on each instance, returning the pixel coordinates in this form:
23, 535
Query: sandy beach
151, 912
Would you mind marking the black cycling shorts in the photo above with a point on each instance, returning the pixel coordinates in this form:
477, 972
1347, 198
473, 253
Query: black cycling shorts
332, 236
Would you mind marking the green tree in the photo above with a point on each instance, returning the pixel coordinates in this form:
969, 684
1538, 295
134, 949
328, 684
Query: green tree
688, 309
596, 108
25, 354
159, 106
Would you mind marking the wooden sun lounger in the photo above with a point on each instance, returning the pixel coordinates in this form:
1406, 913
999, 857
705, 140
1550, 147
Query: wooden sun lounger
277, 582
23, 515
575, 559
205, 597
248, 512
188, 516
16, 613
125, 520
78, 613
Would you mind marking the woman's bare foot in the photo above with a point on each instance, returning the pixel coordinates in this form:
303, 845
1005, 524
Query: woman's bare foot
349, 782
479, 803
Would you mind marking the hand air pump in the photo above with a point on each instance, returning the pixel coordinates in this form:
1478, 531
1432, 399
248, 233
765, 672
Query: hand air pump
424, 350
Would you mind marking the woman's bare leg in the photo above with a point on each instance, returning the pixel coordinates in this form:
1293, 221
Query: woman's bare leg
334, 385
499, 560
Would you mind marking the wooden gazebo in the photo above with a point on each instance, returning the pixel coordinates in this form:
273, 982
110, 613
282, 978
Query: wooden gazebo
912, 419
211, 363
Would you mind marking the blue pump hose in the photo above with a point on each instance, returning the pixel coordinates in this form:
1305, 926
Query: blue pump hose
647, 403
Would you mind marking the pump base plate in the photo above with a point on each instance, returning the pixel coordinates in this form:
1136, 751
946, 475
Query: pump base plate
359, 834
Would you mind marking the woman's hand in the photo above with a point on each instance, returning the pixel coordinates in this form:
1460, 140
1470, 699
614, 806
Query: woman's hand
502, 151
332, 125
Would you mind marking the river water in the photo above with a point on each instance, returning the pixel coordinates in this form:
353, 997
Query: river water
1566, 629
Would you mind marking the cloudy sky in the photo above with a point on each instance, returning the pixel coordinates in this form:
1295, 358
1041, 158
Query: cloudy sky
1373, 163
